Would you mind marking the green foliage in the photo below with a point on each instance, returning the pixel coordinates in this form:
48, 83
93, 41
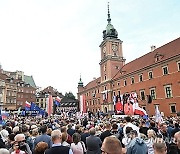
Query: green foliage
69, 95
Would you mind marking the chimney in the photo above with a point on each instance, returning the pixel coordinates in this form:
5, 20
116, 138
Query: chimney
153, 47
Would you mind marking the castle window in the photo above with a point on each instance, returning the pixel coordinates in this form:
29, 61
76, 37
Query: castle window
125, 83
165, 70
118, 83
132, 80
168, 91
173, 108
142, 94
105, 77
178, 64
140, 78
150, 74
153, 93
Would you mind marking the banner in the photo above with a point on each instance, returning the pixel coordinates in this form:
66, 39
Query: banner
82, 104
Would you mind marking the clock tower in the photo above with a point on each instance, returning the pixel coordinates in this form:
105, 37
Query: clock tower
111, 52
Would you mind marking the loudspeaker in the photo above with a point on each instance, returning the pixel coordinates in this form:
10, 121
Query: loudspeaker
149, 99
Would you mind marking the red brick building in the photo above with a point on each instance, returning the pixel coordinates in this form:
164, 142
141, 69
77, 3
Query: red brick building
156, 73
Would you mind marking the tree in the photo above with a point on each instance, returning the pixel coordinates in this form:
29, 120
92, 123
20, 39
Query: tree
70, 95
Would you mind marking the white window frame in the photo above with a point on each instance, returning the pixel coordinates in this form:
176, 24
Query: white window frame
163, 70
178, 65
153, 98
132, 80
125, 82
149, 75
166, 86
141, 95
140, 78
171, 109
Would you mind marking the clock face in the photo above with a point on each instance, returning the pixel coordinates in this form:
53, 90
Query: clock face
104, 49
114, 47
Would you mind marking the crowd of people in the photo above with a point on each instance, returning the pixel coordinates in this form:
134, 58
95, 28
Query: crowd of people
90, 135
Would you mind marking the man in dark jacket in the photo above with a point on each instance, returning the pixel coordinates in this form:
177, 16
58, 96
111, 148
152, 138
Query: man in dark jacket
107, 131
93, 143
57, 148
43, 137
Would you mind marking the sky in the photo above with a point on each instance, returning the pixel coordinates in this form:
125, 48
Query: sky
57, 40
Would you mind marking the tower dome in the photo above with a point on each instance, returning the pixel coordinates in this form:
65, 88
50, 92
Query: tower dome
110, 31
80, 83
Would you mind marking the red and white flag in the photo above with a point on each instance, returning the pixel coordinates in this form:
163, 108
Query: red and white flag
138, 110
27, 104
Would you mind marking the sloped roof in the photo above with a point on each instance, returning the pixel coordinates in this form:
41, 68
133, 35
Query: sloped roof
29, 80
167, 51
52, 91
93, 83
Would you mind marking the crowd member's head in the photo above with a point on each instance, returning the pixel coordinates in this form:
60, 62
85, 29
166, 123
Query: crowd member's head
163, 127
114, 126
56, 136
111, 145
76, 138
43, 129
177, 139
151, 133
40, 148
107, 125
92, 131
35, 132
128, 130
64, 136
4, 151
159, 146
128, 119
133, 134
49, 130
63, 129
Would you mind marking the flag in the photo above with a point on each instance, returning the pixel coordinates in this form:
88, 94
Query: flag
82, 104
158, 117
49, 105
57, 101
27, 106
139, 111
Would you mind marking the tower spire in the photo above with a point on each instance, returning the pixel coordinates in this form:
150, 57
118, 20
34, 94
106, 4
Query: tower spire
109, 18
80, 83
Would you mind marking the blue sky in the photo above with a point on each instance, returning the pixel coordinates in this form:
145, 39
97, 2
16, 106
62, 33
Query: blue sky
55, 41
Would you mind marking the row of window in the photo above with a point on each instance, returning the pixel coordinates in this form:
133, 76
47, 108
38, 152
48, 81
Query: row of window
24, 96
150, 75
26, 91
152, 92
172, 108
93, 102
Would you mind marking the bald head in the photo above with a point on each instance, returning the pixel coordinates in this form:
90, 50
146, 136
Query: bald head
177, 139
112, 145
159, 146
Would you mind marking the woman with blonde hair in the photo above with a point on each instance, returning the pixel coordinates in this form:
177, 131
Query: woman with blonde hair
151, 135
